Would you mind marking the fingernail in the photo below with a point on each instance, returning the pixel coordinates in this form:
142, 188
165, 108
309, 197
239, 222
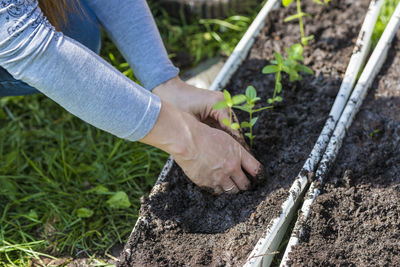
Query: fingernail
261, 174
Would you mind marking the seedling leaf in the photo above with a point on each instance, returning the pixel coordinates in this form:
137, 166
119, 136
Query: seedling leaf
304, 40
278, 99
238, 99
220, 105
225, 121
296, 50
228, 98
253, 121
305, 69
270, 69
246, 107
251, 92
296, 16
279, 58
286, 3
235, 126
245, 124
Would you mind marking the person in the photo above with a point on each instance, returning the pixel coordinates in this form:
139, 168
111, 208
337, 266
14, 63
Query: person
52, 47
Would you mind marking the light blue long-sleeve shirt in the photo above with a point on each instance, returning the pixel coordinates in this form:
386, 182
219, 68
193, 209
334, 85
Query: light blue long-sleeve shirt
78, 79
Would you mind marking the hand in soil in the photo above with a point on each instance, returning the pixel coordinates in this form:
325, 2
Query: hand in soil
214, 160
199, 103
211, 158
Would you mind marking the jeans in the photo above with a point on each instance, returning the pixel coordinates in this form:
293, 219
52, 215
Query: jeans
82, 26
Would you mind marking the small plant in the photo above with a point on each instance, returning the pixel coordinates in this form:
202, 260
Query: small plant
229, 102
249, 100
289, 65
299, 15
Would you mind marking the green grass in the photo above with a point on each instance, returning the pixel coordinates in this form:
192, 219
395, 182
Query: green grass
53, 164
58, 173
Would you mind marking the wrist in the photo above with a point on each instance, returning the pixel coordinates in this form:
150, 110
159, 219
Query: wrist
172, 132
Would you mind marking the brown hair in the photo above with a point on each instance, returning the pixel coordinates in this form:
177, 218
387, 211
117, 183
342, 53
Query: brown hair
56, 10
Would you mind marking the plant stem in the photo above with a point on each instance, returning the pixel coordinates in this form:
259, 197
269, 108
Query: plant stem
230, 115
263, 108
277, 81
251, 129
301, 23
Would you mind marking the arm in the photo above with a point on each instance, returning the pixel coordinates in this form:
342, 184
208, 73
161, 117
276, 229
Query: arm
32, 51
77, 79
131, 26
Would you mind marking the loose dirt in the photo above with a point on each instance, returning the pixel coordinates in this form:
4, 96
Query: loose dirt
184, 226
356, 219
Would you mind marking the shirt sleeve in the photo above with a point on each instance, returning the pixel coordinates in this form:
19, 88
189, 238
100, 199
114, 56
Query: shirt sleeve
76, 78
131, 26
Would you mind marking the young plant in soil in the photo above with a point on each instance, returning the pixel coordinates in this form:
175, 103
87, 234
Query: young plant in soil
229, 102
299, 15
249, 99
289, 65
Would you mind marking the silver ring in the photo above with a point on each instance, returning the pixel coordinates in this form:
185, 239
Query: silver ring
229, 189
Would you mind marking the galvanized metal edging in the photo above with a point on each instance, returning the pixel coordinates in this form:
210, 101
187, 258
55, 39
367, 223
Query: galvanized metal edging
372, 68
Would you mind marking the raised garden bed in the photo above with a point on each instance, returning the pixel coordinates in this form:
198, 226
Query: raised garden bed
182, 225
355, 220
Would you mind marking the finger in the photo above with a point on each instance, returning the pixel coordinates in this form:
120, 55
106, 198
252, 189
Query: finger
250, 164
230, 187
241, 181
218, 190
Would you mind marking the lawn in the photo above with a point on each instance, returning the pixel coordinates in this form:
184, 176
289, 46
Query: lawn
67, 188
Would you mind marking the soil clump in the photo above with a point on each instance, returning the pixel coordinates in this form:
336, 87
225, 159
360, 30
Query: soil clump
356, 219
181, 225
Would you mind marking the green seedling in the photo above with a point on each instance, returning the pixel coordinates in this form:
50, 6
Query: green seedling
289, 65
229, 102
248, 106
299, 15
248, 100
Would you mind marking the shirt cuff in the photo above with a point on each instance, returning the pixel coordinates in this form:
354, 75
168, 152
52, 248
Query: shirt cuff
148, 120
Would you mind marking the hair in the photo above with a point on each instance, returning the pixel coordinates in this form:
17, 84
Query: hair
56, 10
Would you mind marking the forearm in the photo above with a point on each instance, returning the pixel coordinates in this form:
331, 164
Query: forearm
73, 76
131, 26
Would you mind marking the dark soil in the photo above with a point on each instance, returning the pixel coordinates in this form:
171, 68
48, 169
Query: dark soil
184, 226
356, 219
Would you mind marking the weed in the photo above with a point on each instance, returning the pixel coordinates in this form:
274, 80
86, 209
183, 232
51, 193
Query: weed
289, 65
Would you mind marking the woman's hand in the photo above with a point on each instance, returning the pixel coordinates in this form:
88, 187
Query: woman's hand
210, 157
198, 102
